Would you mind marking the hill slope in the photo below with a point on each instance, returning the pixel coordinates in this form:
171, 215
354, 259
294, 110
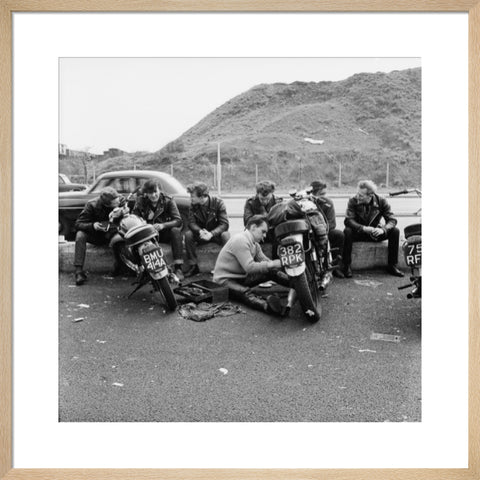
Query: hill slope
293, 133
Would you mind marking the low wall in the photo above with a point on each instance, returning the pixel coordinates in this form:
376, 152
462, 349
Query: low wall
365, 256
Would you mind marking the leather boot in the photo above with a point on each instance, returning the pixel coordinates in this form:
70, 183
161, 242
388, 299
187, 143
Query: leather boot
256, 302
347, 271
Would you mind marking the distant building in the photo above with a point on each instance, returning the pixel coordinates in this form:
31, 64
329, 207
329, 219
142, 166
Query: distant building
64, 153
62, 150
113, 152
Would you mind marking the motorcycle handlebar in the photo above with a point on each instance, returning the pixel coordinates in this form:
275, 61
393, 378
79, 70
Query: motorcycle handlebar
401, 192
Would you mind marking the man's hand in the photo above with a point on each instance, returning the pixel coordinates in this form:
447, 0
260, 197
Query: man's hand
97, 226
274, 264
205, 235
368, 230
158, 226
377, 232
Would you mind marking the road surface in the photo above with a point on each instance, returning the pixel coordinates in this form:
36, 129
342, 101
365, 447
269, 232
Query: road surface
126, 359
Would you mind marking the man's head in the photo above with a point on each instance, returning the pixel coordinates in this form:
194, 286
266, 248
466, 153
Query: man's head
109, 197
265, 191
319, 188
198, 193
365, 191
151, 189
258, 227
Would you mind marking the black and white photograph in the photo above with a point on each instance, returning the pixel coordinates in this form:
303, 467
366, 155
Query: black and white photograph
240, 239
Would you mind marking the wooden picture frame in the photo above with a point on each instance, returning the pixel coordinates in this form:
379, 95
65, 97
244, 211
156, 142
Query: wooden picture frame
8, 7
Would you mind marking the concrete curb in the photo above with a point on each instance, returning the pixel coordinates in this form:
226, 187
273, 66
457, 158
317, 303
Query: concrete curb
365, 256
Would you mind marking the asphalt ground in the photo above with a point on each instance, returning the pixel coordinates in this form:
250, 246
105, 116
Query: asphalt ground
128, 360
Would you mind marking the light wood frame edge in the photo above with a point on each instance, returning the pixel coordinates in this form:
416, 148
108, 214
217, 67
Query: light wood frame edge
7, 8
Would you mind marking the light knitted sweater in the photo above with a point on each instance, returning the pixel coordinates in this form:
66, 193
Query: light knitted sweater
240, 256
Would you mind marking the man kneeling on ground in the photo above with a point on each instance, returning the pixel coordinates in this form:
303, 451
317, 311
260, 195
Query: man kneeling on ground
242, 265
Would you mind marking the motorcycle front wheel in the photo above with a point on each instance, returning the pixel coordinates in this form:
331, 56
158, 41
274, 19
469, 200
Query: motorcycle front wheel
165, 289
307, 294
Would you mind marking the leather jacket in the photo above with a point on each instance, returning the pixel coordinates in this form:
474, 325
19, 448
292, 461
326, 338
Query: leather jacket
212, 216
254, 207
166, 211
359, 215
326, 207
95, 211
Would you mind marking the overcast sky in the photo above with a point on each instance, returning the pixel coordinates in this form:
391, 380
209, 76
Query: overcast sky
143, 103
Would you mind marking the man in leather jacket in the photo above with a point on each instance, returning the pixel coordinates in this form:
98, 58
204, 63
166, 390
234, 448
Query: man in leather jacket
93, 226
365, 212
161, 211
261, 204
335, 236
207, 222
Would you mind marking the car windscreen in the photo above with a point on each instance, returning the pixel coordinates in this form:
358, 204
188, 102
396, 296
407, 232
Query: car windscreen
169, 185
123, 185
173, 186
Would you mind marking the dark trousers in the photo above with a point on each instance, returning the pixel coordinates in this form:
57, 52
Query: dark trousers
191, 240
240, 289
173, 236
393, 237
337, 240
95, 238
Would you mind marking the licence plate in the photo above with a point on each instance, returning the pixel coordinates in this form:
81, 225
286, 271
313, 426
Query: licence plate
291, 255
153, 261
413, 254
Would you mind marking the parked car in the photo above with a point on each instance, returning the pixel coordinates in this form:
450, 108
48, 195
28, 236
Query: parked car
65, 185
70, 204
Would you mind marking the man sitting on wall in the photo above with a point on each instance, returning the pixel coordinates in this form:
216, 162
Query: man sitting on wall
161, 211
242, 265
365, 212
335, 236
262, 202
207, 222
93, 226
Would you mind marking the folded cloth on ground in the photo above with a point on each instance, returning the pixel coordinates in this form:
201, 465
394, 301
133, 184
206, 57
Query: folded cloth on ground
204, 311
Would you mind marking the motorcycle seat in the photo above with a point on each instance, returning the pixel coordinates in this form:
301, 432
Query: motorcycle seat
411, 230
291, 226
140, 234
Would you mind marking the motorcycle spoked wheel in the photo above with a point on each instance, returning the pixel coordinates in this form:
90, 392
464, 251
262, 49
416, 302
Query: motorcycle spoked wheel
162, 286
307, 293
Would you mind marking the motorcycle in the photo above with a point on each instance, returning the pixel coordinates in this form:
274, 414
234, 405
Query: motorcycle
143, 254
412, 250
304, 252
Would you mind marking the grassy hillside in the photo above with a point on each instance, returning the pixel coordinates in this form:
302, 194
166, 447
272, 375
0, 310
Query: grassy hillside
362, 123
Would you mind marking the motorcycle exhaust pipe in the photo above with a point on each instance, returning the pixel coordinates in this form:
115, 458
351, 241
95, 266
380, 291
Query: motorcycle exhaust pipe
292, 296
326, 279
